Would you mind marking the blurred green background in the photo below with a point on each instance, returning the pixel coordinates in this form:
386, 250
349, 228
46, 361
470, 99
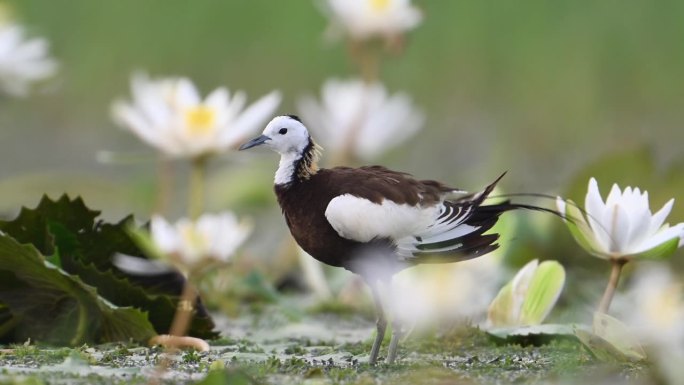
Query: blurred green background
553, 92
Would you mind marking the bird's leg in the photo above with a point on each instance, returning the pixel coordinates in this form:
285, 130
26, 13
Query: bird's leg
397, 334
381, 324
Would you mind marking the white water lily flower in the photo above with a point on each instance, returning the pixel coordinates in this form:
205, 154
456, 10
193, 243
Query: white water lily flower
171, 115
22, 61
622, 226
363, 19
653, 309
359, 118
190, 244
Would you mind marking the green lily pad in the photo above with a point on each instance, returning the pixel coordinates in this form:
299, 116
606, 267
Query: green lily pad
536, 334
57, 307
71, 237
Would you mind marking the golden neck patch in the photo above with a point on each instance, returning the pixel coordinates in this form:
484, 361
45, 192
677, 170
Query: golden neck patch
308, 165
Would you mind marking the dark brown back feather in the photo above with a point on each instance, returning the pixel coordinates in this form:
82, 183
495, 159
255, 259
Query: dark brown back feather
377, 183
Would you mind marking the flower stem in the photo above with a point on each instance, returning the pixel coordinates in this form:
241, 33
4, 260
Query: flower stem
197, 182
164, 185
367, 58
613, 281
179, 327
184, 311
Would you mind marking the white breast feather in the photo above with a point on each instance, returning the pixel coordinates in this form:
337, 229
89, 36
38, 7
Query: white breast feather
362, 220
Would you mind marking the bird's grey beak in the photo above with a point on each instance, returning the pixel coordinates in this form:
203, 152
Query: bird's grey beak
255, 142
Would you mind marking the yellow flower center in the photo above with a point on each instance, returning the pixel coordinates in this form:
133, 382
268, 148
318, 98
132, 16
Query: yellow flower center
196, 241
379, 5
200, 120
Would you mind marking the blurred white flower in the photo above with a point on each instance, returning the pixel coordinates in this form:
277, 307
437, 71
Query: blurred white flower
623, 226
213, 238
529, 297
360, 118
363, 19
314, 275
171, 115
426, 295
22, 61
654, 307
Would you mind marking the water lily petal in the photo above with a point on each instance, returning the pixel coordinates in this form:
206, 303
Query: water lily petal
579, 228
529, 296
619, 227
217, 103
22, 61
363, 19
10, 37
500, 310
360, 119
217, 99
660, 251
389, 123
595, 209
615, 195
31, 49
196, 244
230, 235
186, 94
126, 115
659, 217
236, 104
665, 234
250, 119
163, 234
640, 221
140, 266
639, 214
313, 115
152, 98
521, 283
543, 291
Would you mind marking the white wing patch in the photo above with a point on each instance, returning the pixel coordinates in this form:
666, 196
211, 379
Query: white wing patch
361, 220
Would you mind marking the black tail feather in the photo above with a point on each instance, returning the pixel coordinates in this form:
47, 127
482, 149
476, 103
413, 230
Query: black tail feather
484, 216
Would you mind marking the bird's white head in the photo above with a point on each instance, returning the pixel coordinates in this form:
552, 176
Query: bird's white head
299, 154
284, 134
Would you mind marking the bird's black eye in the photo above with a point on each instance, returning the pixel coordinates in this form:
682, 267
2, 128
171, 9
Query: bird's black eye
282, 131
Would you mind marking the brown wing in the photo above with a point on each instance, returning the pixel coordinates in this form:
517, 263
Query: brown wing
376, 183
